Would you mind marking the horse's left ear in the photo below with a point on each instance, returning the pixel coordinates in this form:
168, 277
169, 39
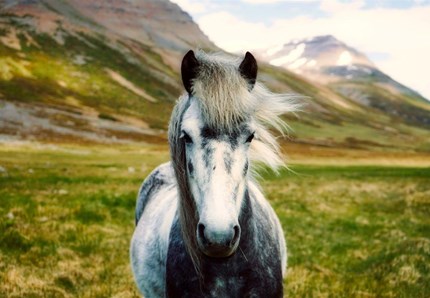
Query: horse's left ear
248, 69
189, 69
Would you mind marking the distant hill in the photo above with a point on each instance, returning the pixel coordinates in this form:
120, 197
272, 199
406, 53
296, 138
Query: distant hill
108, 71
328, 61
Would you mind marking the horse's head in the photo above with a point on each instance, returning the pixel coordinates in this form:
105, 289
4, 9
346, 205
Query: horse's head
216, 151
210, 136
217, 165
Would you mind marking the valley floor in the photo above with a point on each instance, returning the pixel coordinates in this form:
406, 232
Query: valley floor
357, 223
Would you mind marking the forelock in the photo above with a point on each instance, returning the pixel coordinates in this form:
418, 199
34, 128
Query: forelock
221, 91
225, 102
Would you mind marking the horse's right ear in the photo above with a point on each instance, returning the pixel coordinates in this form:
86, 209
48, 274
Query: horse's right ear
189, 70
248, 69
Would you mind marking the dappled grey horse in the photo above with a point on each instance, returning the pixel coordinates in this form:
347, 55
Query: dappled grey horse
203, 226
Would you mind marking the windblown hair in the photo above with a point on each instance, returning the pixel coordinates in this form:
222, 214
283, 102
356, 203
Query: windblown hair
226, 99
222, 92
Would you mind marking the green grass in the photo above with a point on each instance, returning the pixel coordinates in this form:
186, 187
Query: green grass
67, 216
355, 231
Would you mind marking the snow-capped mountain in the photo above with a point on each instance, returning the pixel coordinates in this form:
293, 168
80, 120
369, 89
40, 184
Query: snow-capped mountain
328, 61
323, 58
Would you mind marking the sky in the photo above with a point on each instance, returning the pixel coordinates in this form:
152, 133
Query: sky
394, 34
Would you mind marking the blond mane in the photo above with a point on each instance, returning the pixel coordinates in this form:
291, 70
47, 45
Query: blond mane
225, 100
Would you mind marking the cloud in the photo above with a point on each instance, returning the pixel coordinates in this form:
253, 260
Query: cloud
420, 2
334, 6
231, 33
402, 34
275, 1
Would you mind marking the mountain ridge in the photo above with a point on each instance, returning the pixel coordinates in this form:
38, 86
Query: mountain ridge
326, 59
107, 82
329, 61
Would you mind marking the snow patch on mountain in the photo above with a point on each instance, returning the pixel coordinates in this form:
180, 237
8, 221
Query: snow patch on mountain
311, 63
297, 63
345, 58
291, 57
274, 50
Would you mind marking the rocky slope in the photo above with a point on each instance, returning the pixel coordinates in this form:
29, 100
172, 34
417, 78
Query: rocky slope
112, 60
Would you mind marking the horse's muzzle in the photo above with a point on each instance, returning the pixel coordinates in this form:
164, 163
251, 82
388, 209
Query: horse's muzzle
218, 243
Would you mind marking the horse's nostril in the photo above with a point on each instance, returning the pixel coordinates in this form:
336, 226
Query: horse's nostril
217, 239
201, 228
201, 231
236, 235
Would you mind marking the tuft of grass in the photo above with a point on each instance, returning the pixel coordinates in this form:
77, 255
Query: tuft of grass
12, 240
107, 117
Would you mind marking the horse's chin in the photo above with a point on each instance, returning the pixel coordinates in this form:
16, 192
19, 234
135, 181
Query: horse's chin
219, 255
218, 252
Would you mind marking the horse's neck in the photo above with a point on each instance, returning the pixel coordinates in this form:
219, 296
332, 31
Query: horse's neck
246, 218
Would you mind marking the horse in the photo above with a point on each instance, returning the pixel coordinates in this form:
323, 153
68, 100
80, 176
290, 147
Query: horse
203, 226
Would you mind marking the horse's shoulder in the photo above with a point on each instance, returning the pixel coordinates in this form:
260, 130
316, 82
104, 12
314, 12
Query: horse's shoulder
257, 196
267, 214
161, 176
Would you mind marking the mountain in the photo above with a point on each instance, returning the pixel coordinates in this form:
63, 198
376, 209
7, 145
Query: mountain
93, 63
321, 58
158, 24
328, 61
108, 71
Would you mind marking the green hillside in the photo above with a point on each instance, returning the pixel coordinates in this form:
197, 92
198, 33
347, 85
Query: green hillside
78, 80
77, 74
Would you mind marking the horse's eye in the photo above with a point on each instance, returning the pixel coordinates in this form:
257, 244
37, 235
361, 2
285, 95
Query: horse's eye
249, 139
187, 138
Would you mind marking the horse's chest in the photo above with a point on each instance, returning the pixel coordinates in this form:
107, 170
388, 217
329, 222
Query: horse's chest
226, 285
253, 271
219, 280
235, 277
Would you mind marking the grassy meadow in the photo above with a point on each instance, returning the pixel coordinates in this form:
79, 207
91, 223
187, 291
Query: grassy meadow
357, 223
